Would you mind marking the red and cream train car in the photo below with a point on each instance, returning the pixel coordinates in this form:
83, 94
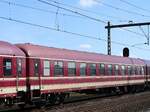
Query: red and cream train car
53, 70
12, 72
33, 72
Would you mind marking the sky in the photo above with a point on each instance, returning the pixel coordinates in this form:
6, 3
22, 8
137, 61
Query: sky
115, 11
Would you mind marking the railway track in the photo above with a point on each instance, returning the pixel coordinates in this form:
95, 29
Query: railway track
74, 100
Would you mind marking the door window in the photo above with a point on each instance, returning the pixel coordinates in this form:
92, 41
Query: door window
7, 67
36, 67
19, 67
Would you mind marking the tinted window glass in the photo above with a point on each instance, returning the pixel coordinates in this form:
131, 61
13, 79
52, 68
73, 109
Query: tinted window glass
109, 69
102, 69
19, 66
129, 70
36, 67
138, 68
7, 67
46, 68
116, 70
123, 70
58, 68
71, 68
149, 70
142, 70
133, 70
92, 68
82, 69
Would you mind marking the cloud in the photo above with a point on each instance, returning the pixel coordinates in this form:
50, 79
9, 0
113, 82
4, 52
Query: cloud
85, 46
87, 3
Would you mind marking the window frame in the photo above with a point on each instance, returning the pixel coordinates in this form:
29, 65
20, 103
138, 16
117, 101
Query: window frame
92, 71
71, 69
58, 68
123, 71
129, 70
45, 68
116, 70
7, 73
85, 69
133, 72
102, 69
142, 70
109, 71
36, 68
19, 65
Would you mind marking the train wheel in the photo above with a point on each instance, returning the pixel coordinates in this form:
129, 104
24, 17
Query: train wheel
57, 98
2, 101
52, 98
60, 98
21, 106
9, 102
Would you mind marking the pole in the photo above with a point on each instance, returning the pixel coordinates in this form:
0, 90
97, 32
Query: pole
109, 39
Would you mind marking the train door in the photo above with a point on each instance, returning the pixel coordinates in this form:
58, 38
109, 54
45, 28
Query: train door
37, 73
19, 73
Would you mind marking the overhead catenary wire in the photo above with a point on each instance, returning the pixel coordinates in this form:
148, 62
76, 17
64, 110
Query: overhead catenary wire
136, 33
77, 34
38, 9
45, 2
133, 5
121, 9
88, 11
69, 32
50, 28
49, 11
75, 12
63, 14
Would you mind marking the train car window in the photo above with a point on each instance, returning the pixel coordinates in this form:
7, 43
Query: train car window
36, 67
19, 67
46, 68
109, 69
129, 70
138, 68
92, 68
116, 70
102, 69
142, 70
71, 68
133, 70
58, 68
82, 69
7, 67
149, 70
123, 70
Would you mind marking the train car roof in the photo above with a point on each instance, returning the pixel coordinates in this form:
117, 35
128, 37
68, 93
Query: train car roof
32, 50
10, 49
147, 62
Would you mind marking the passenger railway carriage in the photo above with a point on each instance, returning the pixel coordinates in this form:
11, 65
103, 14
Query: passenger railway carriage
45, 73
12, 72
53, 70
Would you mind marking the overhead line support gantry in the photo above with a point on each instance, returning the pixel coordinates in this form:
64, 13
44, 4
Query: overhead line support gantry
109, 27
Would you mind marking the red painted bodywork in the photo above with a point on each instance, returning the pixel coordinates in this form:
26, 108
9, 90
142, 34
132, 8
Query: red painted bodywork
29, 53
10, 51
53, 54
